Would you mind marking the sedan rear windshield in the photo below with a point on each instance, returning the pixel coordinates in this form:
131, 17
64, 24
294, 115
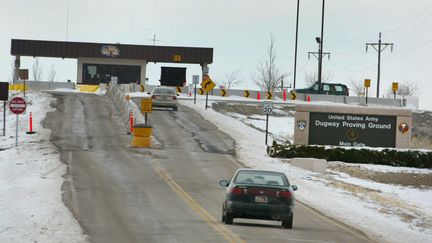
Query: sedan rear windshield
261, 178
164, 91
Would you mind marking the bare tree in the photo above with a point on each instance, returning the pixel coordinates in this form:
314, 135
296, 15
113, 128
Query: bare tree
52, 74
37, 70
357, 87
232, 79
12, 74
312, 77
405, 89
268, 76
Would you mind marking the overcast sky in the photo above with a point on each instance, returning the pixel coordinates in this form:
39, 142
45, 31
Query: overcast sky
239, 31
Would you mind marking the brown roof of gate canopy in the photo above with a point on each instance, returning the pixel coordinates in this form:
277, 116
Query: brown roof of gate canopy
39, 48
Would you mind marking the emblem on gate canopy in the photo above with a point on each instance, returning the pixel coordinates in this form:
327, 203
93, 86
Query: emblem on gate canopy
301, 125
403, 127
110, 51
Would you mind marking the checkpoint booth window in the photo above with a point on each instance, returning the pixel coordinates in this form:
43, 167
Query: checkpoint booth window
101, 73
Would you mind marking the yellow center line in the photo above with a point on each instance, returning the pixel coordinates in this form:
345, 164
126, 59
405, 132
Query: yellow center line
195, 206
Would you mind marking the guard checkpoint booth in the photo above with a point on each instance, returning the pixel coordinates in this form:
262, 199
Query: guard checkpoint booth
98, 62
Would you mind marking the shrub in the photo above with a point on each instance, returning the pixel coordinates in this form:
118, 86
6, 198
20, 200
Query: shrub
392, 157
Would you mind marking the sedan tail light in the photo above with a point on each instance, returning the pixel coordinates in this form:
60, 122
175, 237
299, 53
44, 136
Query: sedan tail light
174, 98
284, 194
237, 191
153, 96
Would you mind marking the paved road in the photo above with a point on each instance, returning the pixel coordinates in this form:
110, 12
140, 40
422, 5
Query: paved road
167, 194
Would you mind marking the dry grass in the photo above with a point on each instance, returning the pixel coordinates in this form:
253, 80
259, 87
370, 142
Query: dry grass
421, 143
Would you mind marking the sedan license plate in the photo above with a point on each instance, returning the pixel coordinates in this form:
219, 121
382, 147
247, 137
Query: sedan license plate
261, 199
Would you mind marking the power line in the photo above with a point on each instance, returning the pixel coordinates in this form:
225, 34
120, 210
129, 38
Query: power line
408, 22
348, 65
354, 49
358, 69
416, 28
415, 48
304, 65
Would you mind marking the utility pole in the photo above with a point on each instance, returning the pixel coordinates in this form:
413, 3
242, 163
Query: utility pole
154, 39
67, 21
379, 47
296, 39
319, 55
321, 44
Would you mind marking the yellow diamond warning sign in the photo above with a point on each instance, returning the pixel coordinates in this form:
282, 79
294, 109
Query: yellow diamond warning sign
207, 84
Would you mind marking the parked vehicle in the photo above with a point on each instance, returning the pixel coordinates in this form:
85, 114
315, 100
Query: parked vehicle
164, 97
327, 88
258, 194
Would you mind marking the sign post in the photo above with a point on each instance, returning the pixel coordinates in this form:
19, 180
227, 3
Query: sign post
4, 95
395, 87
195, 80
17, 106
267, 109
367, 83
208, 85
4, 117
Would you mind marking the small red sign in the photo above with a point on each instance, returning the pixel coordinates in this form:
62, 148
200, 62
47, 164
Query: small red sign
17, 105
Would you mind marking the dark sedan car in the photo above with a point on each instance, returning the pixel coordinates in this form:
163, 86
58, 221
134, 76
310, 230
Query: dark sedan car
258, 194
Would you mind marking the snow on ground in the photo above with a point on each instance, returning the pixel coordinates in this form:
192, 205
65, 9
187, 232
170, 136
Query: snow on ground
383, 211
280, 127
30, 181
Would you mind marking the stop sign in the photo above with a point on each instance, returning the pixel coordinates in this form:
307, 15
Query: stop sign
17, 105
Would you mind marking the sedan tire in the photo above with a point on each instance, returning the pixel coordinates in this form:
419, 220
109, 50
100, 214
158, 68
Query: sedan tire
229, 218
287, 222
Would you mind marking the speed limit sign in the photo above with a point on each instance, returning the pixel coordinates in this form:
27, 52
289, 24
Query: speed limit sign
268, 107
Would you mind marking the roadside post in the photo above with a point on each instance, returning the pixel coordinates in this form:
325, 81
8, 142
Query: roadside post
30, 131
367, 83
17, 106
395, 87
267, 109
195, 80
4, 95
146, 107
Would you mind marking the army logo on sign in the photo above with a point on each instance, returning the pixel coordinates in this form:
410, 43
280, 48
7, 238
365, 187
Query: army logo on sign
352, 134
301, 125
403, 127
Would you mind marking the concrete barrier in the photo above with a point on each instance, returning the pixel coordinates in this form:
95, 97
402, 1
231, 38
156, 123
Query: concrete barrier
277, 95
123, 105
46, 85
311, 164
88, 88
18, 87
